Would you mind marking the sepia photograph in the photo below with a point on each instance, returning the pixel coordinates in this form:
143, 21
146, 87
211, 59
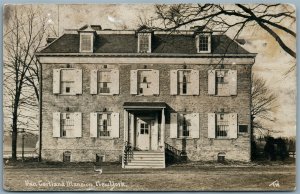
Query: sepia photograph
149, 97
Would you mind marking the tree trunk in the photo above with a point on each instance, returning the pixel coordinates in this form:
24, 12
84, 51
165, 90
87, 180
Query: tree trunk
14, 139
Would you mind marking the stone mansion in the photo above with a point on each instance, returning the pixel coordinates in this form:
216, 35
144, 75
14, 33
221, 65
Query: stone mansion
141, 96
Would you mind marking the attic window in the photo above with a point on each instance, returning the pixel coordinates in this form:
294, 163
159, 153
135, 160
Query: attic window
204, 43
86, 42
144, 43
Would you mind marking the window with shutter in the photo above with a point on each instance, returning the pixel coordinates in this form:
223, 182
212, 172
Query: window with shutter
104, 82
56, 124
211, 82
144, 82
173, 125
173, 82
133, 81
222, 82
56, 81
78, 124
93, 124
211, 125
67, 81
184, 125
115, 125
233, 125
223, 125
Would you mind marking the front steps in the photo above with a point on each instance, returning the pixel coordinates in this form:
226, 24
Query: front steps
146, 159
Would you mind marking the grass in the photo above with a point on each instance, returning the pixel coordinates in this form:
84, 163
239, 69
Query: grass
197, 176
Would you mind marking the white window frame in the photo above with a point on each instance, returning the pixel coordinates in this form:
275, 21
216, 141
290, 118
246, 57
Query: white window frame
62, 92
63, 126
91, 44
189, 127
142, 34
224, 84
217, 125
188, 91
98, 83
109, 127
208, 35
138, 82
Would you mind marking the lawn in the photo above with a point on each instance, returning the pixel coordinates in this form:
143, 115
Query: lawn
190, 177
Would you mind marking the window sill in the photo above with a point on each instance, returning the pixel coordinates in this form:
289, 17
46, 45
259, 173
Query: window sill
147, 95
184, 138
223, 138
67, 94
67, 137
222, 95
108, 138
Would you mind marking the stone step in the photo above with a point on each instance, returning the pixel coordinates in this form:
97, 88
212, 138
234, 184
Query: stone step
144, 166
146, 162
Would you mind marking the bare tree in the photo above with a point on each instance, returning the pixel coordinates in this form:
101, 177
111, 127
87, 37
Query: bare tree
263, 104
278, 20
24, 33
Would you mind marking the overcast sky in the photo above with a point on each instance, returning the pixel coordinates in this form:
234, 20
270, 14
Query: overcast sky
271, 62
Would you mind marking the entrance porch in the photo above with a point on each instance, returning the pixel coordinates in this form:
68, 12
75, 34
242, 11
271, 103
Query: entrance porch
144, 135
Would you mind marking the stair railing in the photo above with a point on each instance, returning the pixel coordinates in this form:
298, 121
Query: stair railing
177, 153
128, 152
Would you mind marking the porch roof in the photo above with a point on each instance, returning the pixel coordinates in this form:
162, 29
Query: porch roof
144, 105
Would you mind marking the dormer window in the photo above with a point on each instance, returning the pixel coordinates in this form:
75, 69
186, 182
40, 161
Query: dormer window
86, 43
144, 42
87, 37
203, 42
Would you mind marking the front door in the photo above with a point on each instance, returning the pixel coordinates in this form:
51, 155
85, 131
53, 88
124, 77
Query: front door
143, 134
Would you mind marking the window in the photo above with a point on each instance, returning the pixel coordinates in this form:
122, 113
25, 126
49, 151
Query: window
104, 125
243, 128
184, 125
99, 158
203, 43
104, 82
221, 157
67, 81
67, 124
222, 83
145, 82
222, 128
67, 156
184, 81
86, 42
222, 125
144, 128
144, 42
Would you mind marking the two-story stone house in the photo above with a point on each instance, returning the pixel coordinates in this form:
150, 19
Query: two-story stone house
133, 95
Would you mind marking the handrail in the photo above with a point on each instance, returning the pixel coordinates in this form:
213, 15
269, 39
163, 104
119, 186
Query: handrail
128, 152
174, 150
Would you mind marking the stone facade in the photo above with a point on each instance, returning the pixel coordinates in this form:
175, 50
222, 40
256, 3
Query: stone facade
85, 148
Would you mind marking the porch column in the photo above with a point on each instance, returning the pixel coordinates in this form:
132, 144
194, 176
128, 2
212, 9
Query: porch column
125, 126
125, 135
132, 133
163, 123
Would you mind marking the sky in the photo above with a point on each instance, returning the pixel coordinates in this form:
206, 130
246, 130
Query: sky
271, 62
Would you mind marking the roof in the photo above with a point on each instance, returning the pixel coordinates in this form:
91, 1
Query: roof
144, 105
127, 43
